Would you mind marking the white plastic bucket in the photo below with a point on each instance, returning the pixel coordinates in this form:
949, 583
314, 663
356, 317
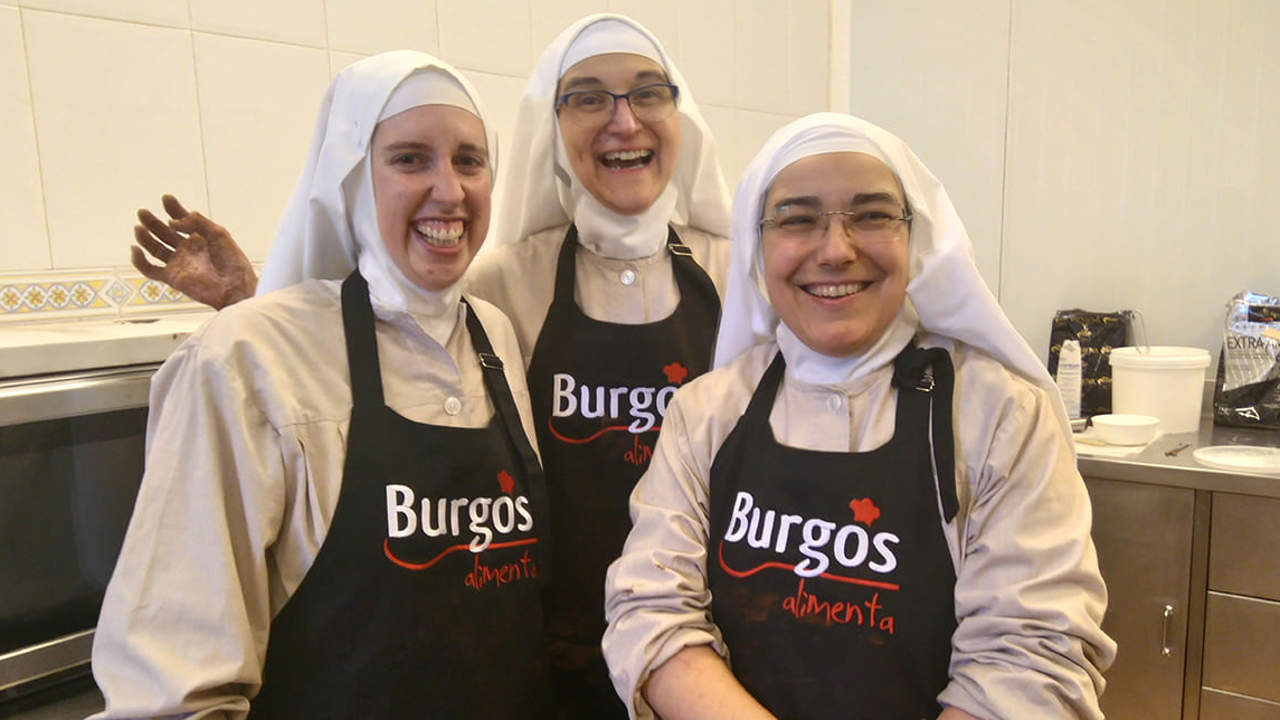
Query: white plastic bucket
1160, 380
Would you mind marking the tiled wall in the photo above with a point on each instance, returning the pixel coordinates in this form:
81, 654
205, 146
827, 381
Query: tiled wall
1102, 155
110, 103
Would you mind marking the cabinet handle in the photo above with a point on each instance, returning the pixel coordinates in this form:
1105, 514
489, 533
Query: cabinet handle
1165, 650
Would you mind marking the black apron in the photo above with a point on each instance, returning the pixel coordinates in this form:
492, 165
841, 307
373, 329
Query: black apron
599, 390
397, 617
866, 631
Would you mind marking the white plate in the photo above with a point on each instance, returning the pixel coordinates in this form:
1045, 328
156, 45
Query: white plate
1251, 458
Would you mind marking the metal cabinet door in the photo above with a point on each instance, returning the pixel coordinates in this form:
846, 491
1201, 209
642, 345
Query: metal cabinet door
1144, 538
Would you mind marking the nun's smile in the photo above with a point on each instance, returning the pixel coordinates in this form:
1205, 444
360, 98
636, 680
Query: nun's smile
835, 286
624, 162
431, 184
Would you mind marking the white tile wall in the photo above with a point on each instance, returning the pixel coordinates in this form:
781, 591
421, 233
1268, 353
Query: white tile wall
723, 124
259, 103
946, 97
659, 16
114, 132
739, 135
707, 50
760, 44
294, 21
549, 17
807, 38
113, 102
339, 60
486, 35
21, 204
1142, 163
368, 28
156, 12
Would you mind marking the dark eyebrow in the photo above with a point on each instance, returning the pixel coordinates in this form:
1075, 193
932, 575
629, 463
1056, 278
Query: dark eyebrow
405, 145
865, 198
654, 75
812, 201
809, 201
415, 145
595, 82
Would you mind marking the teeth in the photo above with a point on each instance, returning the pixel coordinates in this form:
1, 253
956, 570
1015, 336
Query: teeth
441, 233
835, 291
625, 155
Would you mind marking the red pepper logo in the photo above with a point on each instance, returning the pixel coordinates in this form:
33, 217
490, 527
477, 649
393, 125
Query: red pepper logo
864, 511
675, 372
506, 481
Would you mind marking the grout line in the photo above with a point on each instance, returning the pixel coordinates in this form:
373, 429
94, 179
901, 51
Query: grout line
189, 28
1004, 164
204, 152
531, 58
328, 41
35, 134
439, 51
840, 57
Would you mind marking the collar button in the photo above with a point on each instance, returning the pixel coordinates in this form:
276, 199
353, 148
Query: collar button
453, 406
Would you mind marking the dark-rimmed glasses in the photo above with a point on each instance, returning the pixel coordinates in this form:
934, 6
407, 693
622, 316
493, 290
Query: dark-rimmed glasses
589, 108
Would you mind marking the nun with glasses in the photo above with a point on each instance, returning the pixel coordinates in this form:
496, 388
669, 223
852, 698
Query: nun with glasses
609, 264
870, 508
342, 514
609, 259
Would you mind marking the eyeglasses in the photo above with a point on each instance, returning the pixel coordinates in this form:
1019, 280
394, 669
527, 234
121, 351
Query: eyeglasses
802, 222
590, 108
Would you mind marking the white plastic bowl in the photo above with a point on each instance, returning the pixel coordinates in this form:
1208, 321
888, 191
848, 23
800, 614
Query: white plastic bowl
1126, 429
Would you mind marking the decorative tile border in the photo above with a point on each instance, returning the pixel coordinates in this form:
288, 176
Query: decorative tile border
78, 294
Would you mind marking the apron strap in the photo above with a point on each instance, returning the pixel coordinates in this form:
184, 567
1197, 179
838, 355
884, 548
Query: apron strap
566, 267
682, 259
766, 389
495, 381
930, 371
362, 344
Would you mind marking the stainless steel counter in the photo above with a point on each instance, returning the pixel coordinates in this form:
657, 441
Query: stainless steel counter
1153, 466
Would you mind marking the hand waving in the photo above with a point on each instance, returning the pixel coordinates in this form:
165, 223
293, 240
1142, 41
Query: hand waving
198, 257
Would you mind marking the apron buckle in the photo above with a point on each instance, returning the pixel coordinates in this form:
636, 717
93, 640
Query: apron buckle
490, 361
926, 380
679, 248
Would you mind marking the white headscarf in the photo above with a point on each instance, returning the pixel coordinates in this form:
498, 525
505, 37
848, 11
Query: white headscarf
945, 293
543, 190
330, 222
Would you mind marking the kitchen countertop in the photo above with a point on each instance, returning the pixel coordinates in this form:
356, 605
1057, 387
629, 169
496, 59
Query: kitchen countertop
1152, 466
38, 349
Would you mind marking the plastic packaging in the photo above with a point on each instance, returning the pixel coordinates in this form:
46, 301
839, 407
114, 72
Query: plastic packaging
1247, 389
1068, 377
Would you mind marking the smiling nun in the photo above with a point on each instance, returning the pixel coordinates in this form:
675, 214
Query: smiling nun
614, 227
610, 263
871, 508
341, 512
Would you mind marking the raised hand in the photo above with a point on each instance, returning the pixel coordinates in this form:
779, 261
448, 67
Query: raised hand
197, 256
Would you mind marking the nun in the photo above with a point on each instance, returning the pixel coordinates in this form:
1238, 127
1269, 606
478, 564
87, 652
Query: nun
342, 514
610, 266
870, 508
610, 262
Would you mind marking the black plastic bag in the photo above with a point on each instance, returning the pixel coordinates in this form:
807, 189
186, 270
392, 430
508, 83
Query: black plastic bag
1097, 332
1246, 392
